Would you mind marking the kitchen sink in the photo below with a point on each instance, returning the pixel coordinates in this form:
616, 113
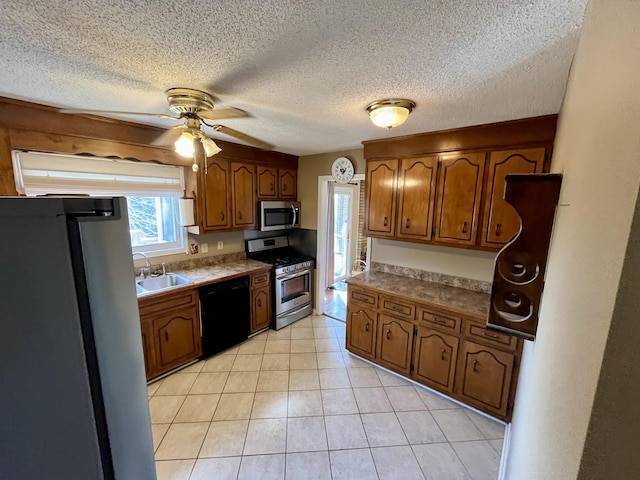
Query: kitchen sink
163, 282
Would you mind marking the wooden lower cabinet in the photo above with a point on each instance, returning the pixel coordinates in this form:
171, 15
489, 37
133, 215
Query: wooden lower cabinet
393, 349
261, 308
361, 331
435, 355
148, 349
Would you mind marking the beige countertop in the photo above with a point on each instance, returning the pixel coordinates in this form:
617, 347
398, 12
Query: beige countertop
460, 300
206, 275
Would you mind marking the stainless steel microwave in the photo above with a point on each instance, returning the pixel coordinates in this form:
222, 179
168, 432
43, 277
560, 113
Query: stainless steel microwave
279, 215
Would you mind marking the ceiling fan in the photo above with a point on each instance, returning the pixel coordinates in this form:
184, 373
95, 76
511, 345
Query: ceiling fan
193, 107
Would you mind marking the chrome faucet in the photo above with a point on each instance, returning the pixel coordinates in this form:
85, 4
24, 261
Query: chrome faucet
144, 271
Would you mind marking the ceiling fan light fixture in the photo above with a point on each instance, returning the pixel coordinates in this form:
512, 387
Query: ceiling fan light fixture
391, 112
210, 147
184, 144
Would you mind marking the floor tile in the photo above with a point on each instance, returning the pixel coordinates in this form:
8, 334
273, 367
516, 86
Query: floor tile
327, 345
352, 465
363, 377
438, 461
303, 361
182, 441
266, 436
491, 429
383, 429
164, 409
270, 405
247, 363
330, 360
306, 434
320, 321
323, 332
219, 363
434, 401
252, 347
303, 346
345, 431
304, 323
480, 459
276, 361
282, 334
277, 346
263, 467
396, 463
209, 382
339, 402
334, 378
305, 403
301, 333
456, 425
194, 368
420, 427
218, 468
234, 406
372, 400
153, 388
198, 408
308, 466
273, 381
390, 380
177, 384
158, 431
351, 361
174, 469
241, 382
404, 399
224, 439
497, 445
304, 380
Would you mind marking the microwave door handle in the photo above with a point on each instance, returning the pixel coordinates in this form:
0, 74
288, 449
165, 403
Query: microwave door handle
295, 215
293, 275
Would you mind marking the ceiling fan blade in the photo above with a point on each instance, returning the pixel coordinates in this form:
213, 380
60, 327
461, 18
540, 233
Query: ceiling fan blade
169, 137
111, 112
243, 136
217, 114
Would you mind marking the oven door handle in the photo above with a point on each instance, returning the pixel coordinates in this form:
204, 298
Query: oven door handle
296, 311
294, 275
295, 215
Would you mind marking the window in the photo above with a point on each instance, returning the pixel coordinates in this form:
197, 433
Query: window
152, 192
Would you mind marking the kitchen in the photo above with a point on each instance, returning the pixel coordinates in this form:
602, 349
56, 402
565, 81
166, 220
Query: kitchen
550, 372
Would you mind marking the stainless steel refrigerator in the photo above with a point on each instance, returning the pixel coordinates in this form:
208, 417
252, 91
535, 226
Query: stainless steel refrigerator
73, 400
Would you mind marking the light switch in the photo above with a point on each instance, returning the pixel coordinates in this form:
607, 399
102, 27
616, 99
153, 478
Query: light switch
220, 245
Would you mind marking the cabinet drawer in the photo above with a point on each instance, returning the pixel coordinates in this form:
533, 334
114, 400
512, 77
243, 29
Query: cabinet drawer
259, 279
365, 298
398, 307
446, 323
499, 339
167, 302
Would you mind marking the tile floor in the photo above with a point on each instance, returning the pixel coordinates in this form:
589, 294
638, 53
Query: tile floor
293, 404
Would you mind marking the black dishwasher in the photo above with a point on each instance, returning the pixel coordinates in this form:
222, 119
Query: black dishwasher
225, 312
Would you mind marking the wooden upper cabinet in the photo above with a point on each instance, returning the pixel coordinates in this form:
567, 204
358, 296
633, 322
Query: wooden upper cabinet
380, 185
243, 195
458, 198
501, 222
267, 182
217, 198
287, 183
416, 193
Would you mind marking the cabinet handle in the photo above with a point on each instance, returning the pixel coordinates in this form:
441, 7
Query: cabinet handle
406, 225
366, 327
397, 308
385, 221
284, 187
442, 355
498, 229
495, 337
166, 336
222, 216
475, 366
271, 187
259, 302
440, 322
240, 215
388, 334
464, 227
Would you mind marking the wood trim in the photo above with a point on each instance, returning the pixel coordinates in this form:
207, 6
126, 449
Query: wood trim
523, 132
7, 180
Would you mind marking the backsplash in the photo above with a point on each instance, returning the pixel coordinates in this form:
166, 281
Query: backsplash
453, 281
198, 262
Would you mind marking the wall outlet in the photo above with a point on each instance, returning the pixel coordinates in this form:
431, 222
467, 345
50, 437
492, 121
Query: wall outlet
220, 245
193, 248
204, 247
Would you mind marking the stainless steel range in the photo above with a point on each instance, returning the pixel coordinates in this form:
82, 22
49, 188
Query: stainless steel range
292, 278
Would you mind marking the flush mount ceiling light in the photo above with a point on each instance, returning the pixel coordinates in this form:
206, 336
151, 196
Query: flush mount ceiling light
390, 113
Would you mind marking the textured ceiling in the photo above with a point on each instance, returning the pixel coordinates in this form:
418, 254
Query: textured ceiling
304, 69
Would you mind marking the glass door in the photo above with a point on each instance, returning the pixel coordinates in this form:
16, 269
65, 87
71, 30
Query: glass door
342, 205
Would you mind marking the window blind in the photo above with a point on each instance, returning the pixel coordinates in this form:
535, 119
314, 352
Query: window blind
45, 173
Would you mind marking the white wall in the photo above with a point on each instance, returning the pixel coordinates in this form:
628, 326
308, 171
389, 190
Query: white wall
459, 262
597, 149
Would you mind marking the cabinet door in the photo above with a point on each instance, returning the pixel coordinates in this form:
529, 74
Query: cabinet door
501, 222
458, 203
267, 182
244, 202
147, 348
380, 205
416, 194
260, 309
177, 338
484, 377
395, 339
287, 180
361, 331
435, 358
217, 201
